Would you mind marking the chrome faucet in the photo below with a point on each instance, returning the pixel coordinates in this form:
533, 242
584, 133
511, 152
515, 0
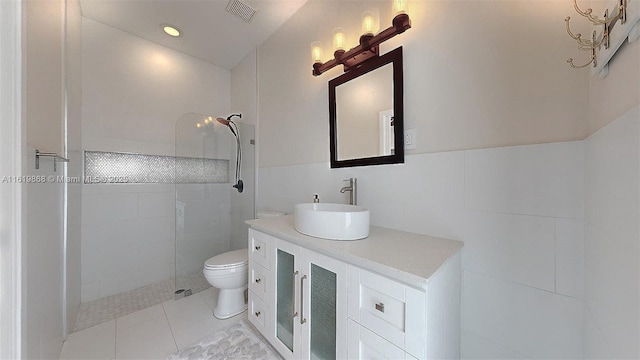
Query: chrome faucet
352, 189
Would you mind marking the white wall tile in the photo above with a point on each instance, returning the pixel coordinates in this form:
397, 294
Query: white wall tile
431, 187
156, 204
90, 291
535, 323
569, 262
612, 176
594, 343
517, 248
474, 346
612, 239
109, 207
611, 292
155, 230
543, 180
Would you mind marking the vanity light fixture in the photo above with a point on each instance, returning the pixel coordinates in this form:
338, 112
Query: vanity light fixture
369, 46
171, 30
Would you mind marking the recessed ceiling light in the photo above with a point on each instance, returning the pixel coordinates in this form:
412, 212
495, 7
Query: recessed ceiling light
171, 30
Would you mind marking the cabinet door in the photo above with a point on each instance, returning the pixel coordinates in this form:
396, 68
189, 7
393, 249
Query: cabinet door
324, 303
285, 302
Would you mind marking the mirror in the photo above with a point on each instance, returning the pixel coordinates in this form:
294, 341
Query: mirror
366, 113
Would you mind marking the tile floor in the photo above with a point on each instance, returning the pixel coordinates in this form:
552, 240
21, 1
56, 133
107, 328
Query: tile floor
111, 307
151, 333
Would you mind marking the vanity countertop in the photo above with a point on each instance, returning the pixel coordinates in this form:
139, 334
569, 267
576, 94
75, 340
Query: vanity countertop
403, 256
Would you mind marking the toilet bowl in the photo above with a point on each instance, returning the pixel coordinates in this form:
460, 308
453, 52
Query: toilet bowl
229, 273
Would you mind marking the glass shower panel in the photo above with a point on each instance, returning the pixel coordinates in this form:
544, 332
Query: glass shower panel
207, 209
284, 300
323, 313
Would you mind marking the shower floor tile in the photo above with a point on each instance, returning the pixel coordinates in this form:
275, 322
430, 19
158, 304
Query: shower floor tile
108, 308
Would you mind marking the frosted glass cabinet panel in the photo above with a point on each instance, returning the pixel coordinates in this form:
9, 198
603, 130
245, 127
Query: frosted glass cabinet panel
310, 303
285, 298
323, 313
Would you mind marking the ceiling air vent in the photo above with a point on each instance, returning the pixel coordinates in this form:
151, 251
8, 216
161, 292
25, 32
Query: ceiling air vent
241, 10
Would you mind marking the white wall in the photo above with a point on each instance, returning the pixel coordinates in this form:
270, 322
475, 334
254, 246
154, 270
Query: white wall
612, 236
474, 79
612, 240
42, 241
42, 264
12, 138
134, 91
244, 100
73, 81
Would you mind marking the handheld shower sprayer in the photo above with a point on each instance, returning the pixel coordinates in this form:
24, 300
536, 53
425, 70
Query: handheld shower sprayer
234, 130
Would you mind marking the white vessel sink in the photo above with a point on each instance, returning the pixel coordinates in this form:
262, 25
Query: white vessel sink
332, 221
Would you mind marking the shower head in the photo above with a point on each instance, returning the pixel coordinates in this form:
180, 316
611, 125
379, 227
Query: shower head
222, 121
228, 122
228, 119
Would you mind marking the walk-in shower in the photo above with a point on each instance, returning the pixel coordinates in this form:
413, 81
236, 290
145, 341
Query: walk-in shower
210, 214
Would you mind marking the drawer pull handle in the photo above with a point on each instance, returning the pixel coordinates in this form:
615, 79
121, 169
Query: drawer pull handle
380, 307
257, 313
302, 318
257, 247
258, 281
294, 313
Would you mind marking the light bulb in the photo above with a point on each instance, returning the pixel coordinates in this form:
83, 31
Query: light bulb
338, 39
399, 7
316, 52
370, 22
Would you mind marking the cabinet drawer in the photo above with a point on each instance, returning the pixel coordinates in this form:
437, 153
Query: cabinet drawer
260, 281
365, 344
259, 246
259, 313
388, 308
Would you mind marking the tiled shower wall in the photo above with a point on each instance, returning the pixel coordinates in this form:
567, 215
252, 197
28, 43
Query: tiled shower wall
519, 211
134, 91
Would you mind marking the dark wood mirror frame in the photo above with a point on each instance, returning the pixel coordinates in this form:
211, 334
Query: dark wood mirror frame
393, 57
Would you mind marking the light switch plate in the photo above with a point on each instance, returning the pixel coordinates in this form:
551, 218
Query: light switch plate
410, 139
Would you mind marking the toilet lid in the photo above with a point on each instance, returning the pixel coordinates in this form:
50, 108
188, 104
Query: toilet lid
229, 259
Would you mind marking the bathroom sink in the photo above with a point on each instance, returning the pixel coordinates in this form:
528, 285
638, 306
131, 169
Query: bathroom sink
332, 221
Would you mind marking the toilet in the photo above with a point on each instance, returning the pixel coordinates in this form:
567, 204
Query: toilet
229, 273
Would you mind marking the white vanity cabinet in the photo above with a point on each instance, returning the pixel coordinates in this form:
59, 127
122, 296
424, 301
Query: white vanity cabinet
388, 308
394, 295
305, 307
